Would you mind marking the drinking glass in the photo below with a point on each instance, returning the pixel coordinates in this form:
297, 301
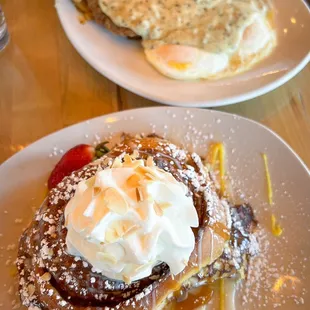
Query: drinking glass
4, 34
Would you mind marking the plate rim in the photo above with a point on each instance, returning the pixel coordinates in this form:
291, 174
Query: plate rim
110, 75
113, 114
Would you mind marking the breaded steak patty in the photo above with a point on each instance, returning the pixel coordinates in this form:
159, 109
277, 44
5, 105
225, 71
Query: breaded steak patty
104, 20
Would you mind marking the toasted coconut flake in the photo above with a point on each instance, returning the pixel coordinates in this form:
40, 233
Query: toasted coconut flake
131, 231
111, 235
150, 162
120, 229
135, 154
139, 192
127, 159
158, 209
115, 201
144, 241
101, 209
142, 213
96, 190
132, 194
90, 182
133, 180
107, 257
134, 164
117, 163
126, 279
164, 205
146, 172
123, 226
150, 176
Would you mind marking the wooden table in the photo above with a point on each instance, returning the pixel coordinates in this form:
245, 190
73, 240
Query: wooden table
45, 86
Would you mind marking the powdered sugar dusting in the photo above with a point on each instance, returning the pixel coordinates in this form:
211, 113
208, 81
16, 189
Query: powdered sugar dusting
273, 282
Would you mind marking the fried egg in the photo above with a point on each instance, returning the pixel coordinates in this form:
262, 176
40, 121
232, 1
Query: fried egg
194, 39
187, 63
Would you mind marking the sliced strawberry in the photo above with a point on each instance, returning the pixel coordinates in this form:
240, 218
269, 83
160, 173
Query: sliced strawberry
74, 159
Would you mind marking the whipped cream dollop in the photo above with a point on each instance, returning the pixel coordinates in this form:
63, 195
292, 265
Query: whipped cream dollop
128, 218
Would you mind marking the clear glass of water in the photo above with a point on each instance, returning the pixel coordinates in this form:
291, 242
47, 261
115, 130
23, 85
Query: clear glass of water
4, 34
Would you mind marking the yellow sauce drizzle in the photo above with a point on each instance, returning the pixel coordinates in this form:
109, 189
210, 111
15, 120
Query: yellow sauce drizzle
218, 154
275, 227
281, 281
269, 186
222, 294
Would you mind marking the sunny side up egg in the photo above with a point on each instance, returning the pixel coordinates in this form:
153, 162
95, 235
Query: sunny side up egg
198, 39
188, 63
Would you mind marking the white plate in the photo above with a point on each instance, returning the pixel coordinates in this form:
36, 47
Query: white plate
23, 179
123, 61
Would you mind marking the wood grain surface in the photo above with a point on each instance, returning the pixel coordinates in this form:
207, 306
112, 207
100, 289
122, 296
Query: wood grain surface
45, 86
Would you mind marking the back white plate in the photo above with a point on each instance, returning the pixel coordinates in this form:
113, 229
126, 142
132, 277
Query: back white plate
123, 61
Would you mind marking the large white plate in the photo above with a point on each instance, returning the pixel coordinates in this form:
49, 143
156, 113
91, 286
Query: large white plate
23, 178
123, 61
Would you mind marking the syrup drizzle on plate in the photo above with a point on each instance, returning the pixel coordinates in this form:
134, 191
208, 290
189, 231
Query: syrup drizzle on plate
213, 296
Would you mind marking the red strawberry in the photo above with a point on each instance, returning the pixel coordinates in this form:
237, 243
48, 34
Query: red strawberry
74, 159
